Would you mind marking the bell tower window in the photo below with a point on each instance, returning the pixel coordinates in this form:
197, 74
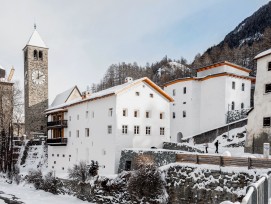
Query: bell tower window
25, 55
40, 55
35, 54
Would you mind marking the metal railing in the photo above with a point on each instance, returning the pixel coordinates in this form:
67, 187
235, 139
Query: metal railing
259, 192
57, 141
57, 124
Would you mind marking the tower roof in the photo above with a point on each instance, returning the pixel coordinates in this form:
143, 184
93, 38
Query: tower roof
36, 40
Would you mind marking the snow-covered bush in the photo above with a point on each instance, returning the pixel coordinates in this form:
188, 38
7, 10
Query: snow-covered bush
93, 168
35, 177
51, 183
79, 172
147, 185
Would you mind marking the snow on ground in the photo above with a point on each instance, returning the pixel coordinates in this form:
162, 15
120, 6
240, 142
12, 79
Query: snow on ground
227, 151
30, 195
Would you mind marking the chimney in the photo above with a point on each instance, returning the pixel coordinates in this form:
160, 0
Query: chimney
86, 94
128, 79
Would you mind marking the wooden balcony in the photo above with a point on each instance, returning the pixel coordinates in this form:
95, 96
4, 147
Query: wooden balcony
57, 124
57, 141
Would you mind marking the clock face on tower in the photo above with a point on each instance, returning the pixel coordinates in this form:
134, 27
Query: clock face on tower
38, 77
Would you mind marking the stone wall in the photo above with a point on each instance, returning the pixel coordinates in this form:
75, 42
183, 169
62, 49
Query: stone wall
179, 146
196, 184
158, 156
185, 184
211, 135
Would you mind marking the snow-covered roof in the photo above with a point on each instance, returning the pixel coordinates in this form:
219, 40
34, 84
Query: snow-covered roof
62, 97
110, 91
36, 40
263, 54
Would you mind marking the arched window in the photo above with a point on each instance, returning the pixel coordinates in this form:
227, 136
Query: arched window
25, 56
242, 105
243, 87
232, 105
40, 55
35, 54
179, 137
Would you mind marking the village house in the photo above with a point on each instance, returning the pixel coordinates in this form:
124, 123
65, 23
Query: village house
220, 93
97, 126
258, 128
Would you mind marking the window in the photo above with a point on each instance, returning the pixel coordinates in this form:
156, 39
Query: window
125, 129
243, 87
63, 155
63, 168
86, 114
110, 112
184, 114
184, 90
70, 118
87, 132
25, 56
151, 95
148, 114
173, 115
70, 133
233, 85
92, 114
35, 54
232, 105
269, 66
57, 155
77, 117
40, 55
161, 116
267, 88
77, 133
136, 130
242, 105
162, 131
184, 102
109, 129
173, 92
53, 155
137, 93
53, 167
54, 162
266, 122
136, 113
128, 165
148, 130
124, 112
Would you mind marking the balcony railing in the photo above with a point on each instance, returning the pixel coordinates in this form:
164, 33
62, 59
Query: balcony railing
57, 124
57, 141
235, 115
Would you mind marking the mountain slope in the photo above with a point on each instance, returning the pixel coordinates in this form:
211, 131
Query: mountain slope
250, 37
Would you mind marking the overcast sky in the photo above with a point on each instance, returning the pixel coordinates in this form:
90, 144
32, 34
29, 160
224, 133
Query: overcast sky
86, 36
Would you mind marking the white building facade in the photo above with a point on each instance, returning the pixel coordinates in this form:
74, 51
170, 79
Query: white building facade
259, 126
98, 126
201, 103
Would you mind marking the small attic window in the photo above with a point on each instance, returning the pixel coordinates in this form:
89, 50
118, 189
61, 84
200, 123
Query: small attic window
40, 55
269, 66
35, 54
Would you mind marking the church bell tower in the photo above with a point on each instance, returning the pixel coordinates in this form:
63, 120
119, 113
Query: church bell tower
35, 84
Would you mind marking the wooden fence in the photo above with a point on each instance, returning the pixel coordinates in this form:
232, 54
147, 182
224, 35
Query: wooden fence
251, 163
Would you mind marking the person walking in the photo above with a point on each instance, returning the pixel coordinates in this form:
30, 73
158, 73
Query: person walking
206, 147
216, 146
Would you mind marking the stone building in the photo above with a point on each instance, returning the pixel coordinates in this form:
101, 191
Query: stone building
259, 118
97, 126
220, 93
36, 84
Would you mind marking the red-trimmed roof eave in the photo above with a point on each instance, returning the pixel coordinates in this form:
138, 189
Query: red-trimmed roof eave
157, 88
221, 64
